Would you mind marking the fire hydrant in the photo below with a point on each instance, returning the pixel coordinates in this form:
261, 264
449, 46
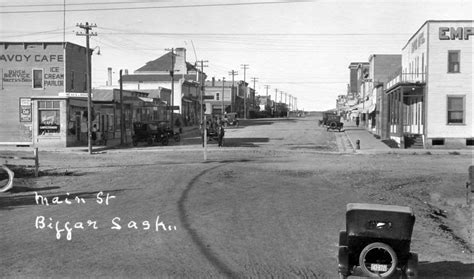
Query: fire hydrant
357, 144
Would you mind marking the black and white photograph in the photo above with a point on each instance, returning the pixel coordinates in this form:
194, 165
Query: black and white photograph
236, 139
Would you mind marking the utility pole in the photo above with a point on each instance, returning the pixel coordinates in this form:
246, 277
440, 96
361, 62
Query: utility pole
266, 88
245, 67
275, 102
266, 97
232, 73
203, 119
122, 115
87, 27
290, 102
254, 79
223, 83
172, 88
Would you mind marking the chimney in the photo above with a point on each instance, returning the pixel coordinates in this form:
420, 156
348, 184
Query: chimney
213, 81
109, 76
180, 61
126, 71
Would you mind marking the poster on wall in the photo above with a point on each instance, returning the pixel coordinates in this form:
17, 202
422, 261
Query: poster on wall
25, 110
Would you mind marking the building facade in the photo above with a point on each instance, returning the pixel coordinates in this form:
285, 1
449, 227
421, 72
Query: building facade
430, 100
222, 96
381, 68
170, 71
40, 85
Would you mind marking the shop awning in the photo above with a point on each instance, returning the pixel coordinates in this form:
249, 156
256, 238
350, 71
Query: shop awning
144, 99
370, 109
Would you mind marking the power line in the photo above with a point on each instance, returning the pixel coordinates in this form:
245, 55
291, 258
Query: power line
154, 7
80, 4
304, 35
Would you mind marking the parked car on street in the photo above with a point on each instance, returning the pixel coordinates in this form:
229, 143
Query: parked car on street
230, 119
172, 134
331, 121
149, 132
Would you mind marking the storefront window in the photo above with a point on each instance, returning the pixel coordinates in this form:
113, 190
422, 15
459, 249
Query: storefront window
49, 117
455, 109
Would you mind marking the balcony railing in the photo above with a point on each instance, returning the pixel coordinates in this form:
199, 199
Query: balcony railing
407, 78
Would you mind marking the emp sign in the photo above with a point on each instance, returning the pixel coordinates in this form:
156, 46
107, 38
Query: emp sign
451, 33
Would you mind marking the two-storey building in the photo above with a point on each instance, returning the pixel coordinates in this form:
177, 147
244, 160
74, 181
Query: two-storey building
171, 71
42, 99
430, 100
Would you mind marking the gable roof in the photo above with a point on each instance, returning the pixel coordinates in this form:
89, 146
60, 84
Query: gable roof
163, 63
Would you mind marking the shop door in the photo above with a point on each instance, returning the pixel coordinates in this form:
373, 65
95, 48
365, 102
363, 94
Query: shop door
78, 125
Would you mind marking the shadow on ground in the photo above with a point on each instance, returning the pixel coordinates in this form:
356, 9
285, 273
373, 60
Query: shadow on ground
262, 121
445, 269
244, 142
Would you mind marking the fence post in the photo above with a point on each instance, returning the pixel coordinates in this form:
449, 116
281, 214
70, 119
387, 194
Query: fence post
36, 161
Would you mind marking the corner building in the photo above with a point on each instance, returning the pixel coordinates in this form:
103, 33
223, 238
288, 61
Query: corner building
38, 96
430, 101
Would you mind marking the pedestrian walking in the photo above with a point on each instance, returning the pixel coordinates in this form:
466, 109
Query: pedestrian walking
220, 135
357, 121
94, 133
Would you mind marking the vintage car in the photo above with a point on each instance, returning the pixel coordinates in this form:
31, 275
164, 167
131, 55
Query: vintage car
230, 119
376, 242
332, 122
149, 132
165, 125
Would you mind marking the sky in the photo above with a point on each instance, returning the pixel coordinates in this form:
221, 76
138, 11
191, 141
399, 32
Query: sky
302, 48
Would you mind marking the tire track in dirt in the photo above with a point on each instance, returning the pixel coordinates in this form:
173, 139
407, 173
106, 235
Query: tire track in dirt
194, 234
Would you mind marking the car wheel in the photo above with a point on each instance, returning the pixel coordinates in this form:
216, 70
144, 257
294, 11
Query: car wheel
378, 260
177, 137
333, 125
164, 140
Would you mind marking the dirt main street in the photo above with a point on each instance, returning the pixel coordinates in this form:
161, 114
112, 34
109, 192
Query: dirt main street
268, 204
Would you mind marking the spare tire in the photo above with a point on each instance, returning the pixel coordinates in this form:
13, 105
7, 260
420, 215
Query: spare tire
378, 260
333, 125
11, 175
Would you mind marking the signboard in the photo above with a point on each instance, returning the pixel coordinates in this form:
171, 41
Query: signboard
25, 110
172, 108
73, 94
453, 33
208, 97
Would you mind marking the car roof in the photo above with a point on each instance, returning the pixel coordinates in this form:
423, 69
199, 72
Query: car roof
379, 207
